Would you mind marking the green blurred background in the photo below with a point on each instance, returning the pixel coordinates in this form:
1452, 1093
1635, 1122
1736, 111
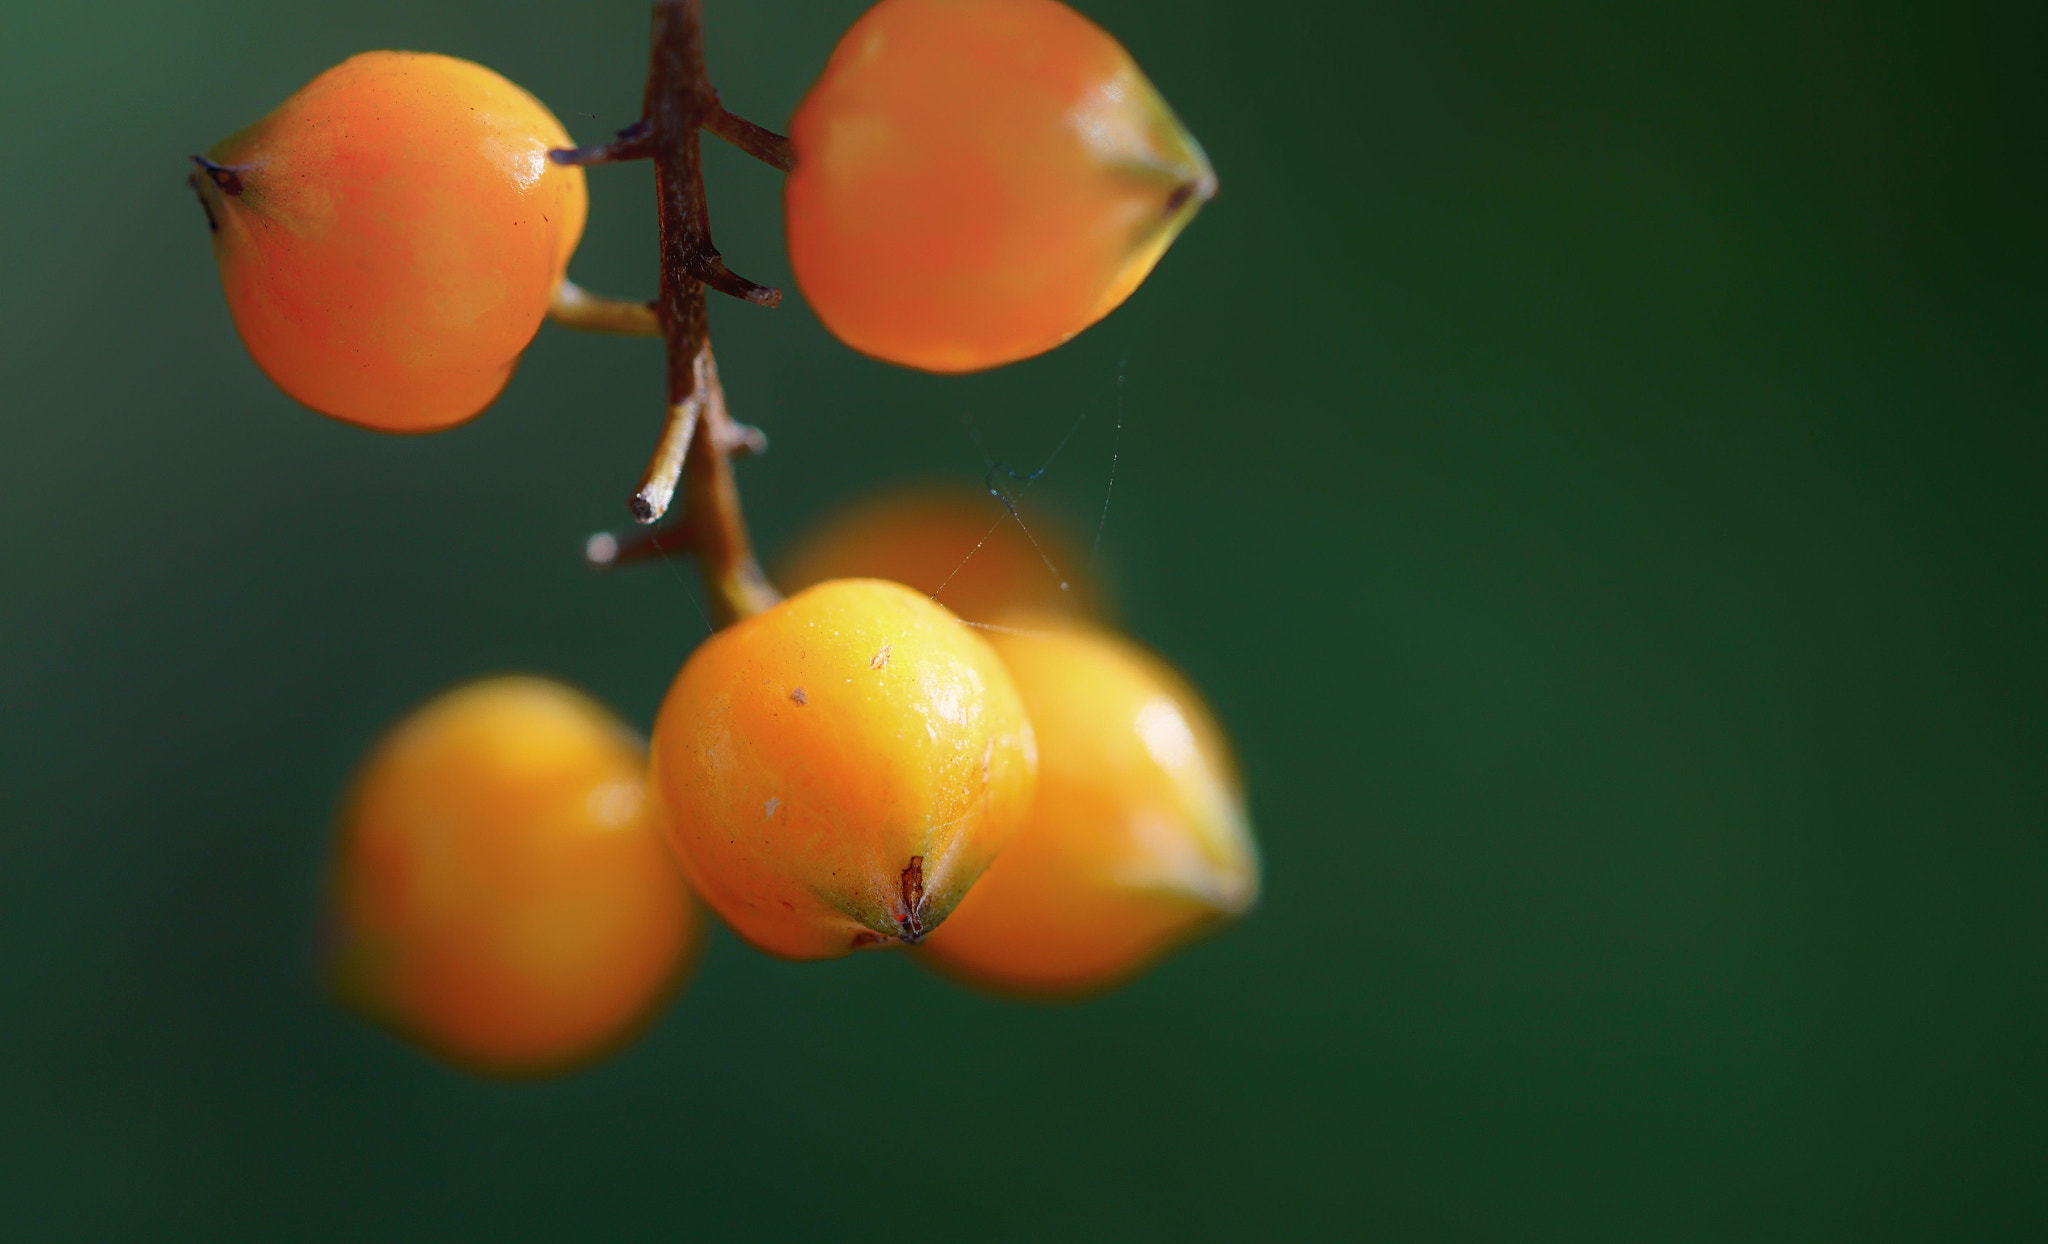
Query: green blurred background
1591, 454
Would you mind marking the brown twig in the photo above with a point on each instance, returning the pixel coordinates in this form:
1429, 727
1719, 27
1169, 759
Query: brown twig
700, 437
761, 143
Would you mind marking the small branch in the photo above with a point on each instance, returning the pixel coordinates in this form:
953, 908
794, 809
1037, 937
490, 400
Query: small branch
757, 141
711, 270
700, 437
665, 469
607, 549
699, 441
631, 144
578, 308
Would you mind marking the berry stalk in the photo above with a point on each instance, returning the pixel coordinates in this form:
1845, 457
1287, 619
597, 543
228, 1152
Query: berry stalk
700, 438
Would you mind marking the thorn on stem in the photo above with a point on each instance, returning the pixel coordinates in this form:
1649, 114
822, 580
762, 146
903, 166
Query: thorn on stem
608, 549
757, 141
710, 268
631, 144
744, 440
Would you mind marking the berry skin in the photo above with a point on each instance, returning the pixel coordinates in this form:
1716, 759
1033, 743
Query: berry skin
976, 181
837, 771
389, 238
1137, 838
501, 895
948, 545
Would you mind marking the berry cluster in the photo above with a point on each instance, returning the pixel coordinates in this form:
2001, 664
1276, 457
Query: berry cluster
1032, 802
1136, 836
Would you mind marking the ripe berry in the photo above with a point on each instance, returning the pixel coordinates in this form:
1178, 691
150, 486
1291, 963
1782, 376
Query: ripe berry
389, 238
976, 181
501, 894
837, 771
1136, 840
950, 546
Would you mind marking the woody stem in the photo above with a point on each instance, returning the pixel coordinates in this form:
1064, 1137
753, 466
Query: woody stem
700, 438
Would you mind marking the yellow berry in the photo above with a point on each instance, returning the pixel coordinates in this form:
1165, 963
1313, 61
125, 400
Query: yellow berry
976, 181
501, 894
950, 546
837, 771
1137, 837
390, 237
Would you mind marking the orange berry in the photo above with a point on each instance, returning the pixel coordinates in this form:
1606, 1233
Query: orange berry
502, 896
1137, 838
948, 545
837, 771
977, 181
389, 238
